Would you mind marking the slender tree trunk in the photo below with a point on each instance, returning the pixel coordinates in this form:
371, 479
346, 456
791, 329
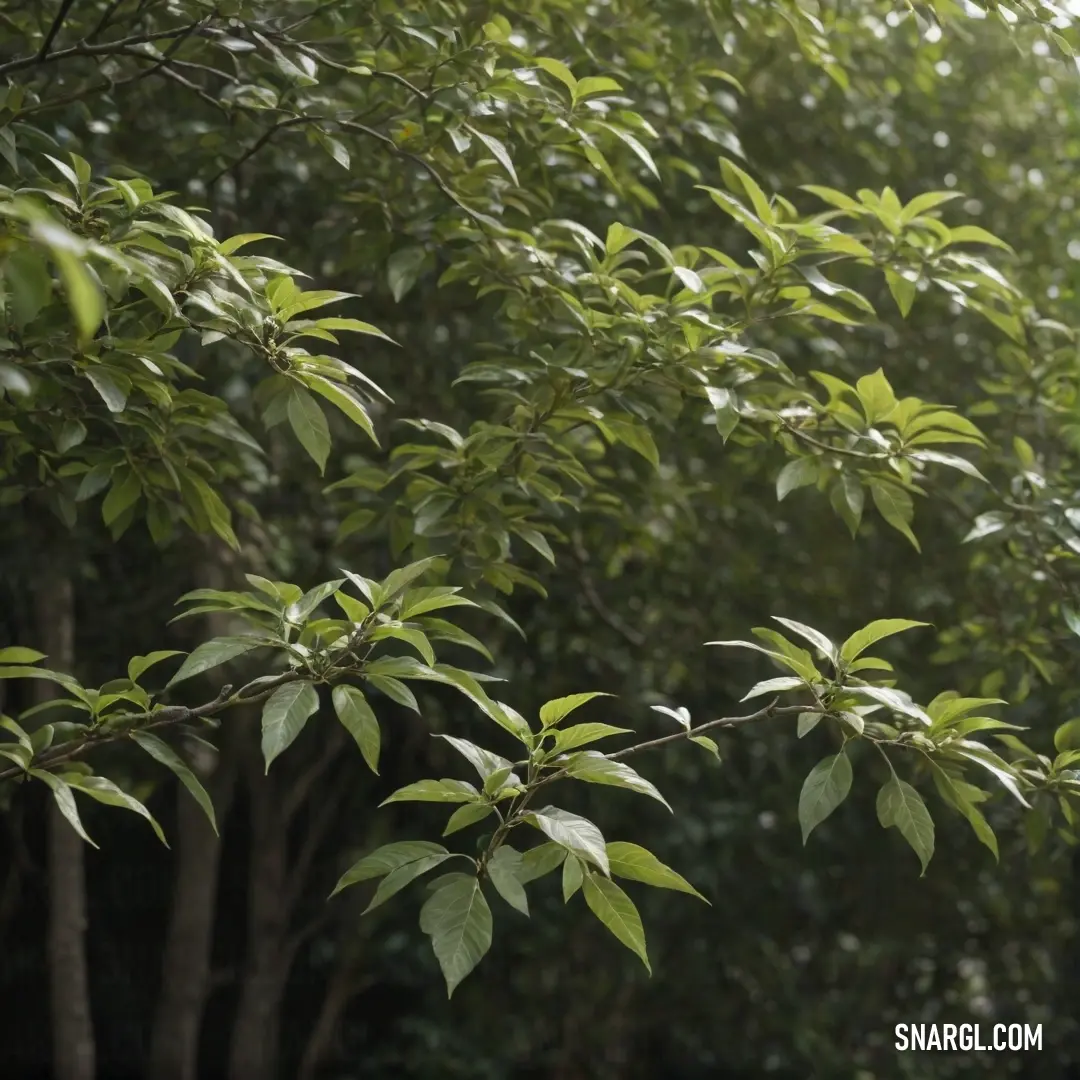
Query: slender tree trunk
72, 1026
276, 881
343, 986
254, 1050
185, 967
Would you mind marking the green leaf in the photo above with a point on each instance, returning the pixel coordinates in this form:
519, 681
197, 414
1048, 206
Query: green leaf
402, 270
862, 639
345, 400
903, 291
736, 178
125, 491
638, 864
65, 800
84, 297
211, 654
18, 654
356, 716
467, 815
72, 434
498, 151
727, 413
988, 760
617, 912
1067, 737
105, 791
876, 396
138, 665
774, 686
458, 920
825, 311
847, 498
594, 768
387, 858
618, 236
536, 540
927, 201
900, 805
504, 869
815, 637
636, 436
483, 761
952, 461
400, 579
559, 70
708, 745
894, 699
235, 243
573, 876
581, 734
953, 794
420, 601
112, 386
299, 611
401, 876
823, 791
973, 234
943, 420
576, 834
807, 721
284, 715
441, 630
442, 791
895, 506
796, 474
394, 690
164, 754
9, 725
309, 425
355, 610
467, 684
595, 84
29, 284
552, 712
541, 860
20, 672
356, 326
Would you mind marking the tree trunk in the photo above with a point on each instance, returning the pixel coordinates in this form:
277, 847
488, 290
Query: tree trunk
72, 1026
276, 881
185, 966
254, 1051
343, 986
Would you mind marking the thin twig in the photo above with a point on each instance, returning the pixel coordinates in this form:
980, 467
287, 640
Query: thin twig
724, 721
103, 23
266, 136
58, 22
108, 48
588, 586
170, 716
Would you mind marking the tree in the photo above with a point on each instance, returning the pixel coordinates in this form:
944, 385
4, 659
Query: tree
577, 331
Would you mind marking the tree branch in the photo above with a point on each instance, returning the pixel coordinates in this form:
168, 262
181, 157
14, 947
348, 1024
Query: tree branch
588, 586
58, 22
266, 136
107, 48
169, 716
724, 721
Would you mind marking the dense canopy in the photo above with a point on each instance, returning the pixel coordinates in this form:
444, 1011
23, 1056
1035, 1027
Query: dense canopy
505, 394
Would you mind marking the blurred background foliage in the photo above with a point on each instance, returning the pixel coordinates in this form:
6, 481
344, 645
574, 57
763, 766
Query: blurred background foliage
807, 956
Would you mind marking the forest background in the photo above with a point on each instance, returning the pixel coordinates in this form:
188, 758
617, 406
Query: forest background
424, 345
